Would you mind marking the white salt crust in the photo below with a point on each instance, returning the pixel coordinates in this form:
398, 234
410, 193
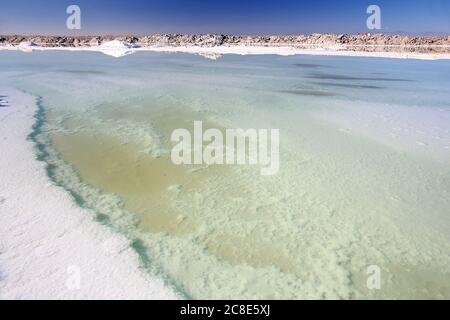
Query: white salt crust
49, 247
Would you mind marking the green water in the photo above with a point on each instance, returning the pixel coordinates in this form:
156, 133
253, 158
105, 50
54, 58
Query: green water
343, 200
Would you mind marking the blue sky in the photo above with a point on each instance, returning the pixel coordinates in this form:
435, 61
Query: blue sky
224, 16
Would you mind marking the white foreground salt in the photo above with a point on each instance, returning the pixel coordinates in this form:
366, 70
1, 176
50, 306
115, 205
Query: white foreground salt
49, 247
118, 49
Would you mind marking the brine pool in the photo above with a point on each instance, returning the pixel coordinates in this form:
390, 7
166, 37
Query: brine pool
364, 176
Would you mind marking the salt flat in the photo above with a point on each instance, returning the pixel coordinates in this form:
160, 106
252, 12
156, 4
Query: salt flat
354, 189
118, 49
49, 247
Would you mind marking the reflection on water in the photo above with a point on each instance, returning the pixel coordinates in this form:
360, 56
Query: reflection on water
346, 85
85, 72
309, 92
310, 65
329, 76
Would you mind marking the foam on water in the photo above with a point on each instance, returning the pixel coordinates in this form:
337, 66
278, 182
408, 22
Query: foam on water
344, 198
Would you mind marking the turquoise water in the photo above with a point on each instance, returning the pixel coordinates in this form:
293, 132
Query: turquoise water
364, 167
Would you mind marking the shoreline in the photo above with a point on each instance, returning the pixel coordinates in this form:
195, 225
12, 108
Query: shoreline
116, 48
41, 226
350, 144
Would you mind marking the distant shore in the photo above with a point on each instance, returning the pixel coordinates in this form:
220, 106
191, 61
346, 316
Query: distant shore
213, 46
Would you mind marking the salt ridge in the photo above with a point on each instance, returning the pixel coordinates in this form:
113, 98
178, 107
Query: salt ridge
116, 48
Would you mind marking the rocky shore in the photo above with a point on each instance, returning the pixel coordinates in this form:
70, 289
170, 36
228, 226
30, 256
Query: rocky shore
354, 42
